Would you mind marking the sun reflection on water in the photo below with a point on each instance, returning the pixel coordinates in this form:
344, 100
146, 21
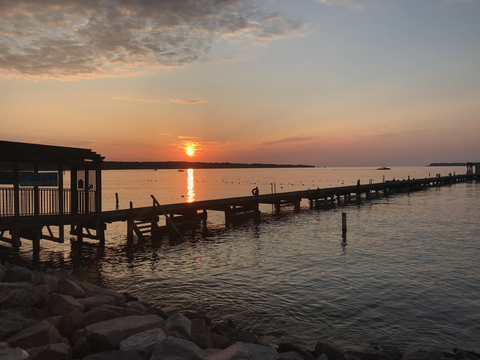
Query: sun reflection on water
190, 186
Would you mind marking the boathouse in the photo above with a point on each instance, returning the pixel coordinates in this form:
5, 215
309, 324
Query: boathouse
44, 188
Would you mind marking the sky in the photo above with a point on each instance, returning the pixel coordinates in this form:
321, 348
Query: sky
318, 82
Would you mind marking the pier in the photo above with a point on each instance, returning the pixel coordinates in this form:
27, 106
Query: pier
33, 202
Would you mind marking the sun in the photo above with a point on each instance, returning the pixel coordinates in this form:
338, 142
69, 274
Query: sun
190, 151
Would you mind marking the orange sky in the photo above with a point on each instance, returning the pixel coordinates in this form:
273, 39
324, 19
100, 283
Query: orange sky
328, 83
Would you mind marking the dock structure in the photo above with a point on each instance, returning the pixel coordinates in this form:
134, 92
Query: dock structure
35, 202
34, 197
143, 221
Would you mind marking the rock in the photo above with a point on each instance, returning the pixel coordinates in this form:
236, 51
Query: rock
40, 278
58, 351
465, 355
194, 315
173, 348
40, 334
292, 355
63, 304
67, 287
122, 310
156, 311
2, 275
70, 322
285, 347
179, 323
220, 341
14, 273
14, 320
99, 314
129, 297
96, 301
144, 342
201, 335
246, 351
92, 290
370, 355
117, 355
136, 305
77, 334
332, 353
109, 334
13, 354
13, 295
211, 352
82, 348
225, 330
54, 319
246, 337
428, 355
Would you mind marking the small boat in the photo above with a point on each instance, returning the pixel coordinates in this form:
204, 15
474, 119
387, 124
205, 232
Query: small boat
181, 170
383, 168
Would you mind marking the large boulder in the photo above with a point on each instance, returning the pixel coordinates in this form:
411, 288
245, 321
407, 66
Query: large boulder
246, 351
201, 335
108, 334
180, 324
14, 320
40, 334
63, 304
67, 287
58, 351
14, 273
173, 348
99, 314
22, 294
144, 342
70, 322
13, 354
96, 301
123, 310
117, 355
91, 290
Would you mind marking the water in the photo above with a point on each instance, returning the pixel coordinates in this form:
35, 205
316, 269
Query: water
407, 279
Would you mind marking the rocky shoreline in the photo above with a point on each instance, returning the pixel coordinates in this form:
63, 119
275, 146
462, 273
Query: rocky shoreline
56, 317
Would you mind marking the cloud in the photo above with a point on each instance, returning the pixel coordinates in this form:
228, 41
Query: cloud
349, 4
453, 2
188, 137
70, 39
128, 98
166, 134
182, 101
288, 140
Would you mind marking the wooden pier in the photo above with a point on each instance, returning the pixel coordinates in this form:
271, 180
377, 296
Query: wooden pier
33, 201
143, 221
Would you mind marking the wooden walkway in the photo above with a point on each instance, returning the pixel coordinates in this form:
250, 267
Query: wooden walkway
182, 217
143, 221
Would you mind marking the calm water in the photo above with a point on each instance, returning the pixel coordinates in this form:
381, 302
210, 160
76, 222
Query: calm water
408, 278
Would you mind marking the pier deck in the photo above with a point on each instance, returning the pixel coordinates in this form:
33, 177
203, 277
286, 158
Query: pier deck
143, 221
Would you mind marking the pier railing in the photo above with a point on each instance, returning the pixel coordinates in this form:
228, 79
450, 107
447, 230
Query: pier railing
48, 202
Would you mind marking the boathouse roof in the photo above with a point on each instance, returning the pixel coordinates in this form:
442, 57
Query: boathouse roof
46, 154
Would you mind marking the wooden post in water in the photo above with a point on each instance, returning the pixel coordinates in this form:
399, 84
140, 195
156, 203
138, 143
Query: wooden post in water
130, 225
116, 200
344, 225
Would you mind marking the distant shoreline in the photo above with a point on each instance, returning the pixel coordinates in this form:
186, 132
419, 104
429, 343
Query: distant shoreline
162, 165
448, 164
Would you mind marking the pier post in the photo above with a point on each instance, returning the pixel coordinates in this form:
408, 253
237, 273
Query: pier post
130, 224
344, 225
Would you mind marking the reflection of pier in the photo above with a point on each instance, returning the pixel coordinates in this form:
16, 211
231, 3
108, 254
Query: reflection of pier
144, 221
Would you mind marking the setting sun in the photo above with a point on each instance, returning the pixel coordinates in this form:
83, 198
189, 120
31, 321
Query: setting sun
190, 151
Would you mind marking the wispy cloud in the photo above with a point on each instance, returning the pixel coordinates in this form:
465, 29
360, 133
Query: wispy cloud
188, 137
182, 101
349, 4
70, 39
453, 2
288, 140
128, 98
